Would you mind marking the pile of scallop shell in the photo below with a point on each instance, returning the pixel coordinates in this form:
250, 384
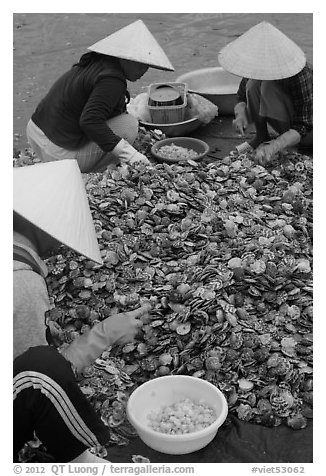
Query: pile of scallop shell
225, 250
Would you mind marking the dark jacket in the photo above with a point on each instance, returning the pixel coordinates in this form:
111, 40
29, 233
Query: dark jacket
76, 108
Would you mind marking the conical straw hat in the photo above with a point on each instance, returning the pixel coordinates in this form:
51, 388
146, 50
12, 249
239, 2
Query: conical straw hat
136, 43
52, 196
264, 53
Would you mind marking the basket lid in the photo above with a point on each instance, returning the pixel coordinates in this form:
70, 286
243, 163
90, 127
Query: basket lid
165, 94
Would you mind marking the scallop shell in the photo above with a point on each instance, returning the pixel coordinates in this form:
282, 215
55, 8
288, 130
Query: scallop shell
280, 406
297, 422
183, 329
245, 412
175, 233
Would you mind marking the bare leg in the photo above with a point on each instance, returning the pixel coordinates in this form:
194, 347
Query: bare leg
262, 134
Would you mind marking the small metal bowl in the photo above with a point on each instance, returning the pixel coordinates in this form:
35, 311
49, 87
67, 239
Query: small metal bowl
197, 145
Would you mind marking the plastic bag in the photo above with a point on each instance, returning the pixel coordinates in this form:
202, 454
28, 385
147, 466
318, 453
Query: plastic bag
200, 107
138, 107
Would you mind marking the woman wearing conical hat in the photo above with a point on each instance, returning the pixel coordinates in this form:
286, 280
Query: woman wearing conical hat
83, 116
276, 89
50, 209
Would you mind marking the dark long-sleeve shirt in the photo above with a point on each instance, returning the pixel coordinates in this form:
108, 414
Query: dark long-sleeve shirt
76, 108
300, 89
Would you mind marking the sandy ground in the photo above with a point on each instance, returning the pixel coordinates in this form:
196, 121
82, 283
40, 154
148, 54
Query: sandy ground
47, 44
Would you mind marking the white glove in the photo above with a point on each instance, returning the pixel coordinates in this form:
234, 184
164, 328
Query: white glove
265, 152
128, 154
118, 329
240, 123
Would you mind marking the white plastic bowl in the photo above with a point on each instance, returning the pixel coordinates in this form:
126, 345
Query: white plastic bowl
168, 390
197, 145
215, 84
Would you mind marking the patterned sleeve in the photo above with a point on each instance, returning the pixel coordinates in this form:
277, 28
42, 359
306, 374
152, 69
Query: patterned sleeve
300, 89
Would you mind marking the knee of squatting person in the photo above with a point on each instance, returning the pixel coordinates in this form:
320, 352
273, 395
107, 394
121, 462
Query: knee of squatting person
90, 157
276, 80
76, 111
268, 105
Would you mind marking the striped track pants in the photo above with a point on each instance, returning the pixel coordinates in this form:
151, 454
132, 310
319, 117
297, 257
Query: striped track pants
49, 402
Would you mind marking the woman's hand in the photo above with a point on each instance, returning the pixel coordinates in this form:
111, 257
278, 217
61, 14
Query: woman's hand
118, 329
240, 123
138, 157
264, 153
128, 154
123, 328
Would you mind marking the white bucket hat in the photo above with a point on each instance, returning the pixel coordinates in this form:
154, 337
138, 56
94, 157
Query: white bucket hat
264, 53
135, 43
52, 197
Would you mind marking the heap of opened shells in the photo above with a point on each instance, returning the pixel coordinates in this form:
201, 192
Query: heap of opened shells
224, 249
